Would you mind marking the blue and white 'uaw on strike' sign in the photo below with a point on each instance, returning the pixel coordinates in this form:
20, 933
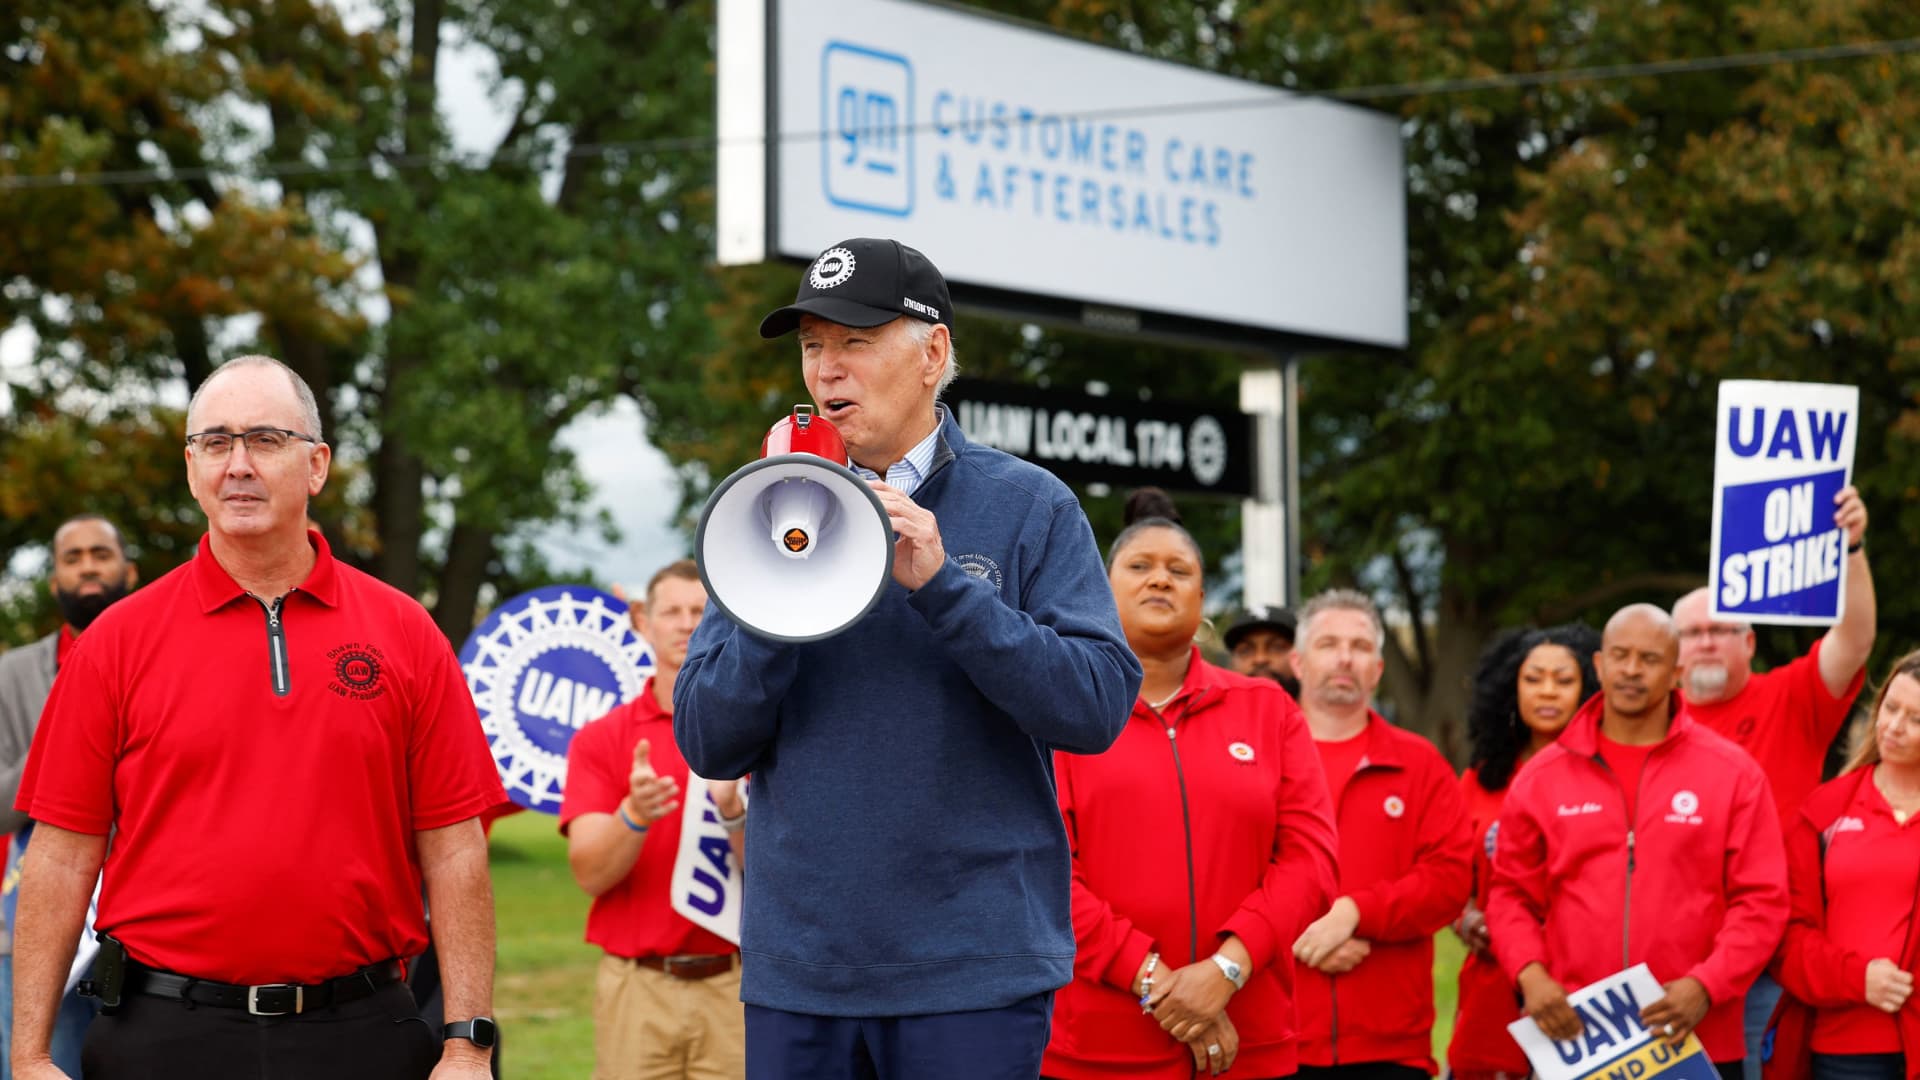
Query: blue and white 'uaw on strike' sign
1782, 453
1613, 1044
542, 666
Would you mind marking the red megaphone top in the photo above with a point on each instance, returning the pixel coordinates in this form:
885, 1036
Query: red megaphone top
804, 433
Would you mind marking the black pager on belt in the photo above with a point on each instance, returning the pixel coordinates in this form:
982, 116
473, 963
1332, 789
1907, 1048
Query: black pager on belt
109, 975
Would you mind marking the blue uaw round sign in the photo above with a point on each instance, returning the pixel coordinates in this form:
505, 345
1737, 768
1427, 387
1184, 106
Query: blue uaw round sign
542, 666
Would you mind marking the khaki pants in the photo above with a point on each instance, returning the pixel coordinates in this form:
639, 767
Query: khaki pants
648, 1025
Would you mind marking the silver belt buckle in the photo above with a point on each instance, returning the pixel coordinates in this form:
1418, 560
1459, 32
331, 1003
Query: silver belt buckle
299, 999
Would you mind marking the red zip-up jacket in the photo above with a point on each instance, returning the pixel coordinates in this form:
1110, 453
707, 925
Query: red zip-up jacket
1406, 854
1235, 754
1814, 971
1695, 885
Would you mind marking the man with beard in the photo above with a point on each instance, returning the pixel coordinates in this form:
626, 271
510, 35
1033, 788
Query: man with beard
90, 572
1261, 645
1363, 978
1787, 717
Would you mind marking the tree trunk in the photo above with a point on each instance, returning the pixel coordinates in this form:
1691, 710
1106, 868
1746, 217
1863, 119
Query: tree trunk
469, 550
1432, 698
398, 473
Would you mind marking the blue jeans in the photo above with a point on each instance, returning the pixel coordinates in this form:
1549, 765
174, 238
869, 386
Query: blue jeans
69, 1026
1761, 999
1859, 1066
990, 1044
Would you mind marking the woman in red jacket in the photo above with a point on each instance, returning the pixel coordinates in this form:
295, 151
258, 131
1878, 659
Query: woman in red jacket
1529, 684
1202, 845
1853, 938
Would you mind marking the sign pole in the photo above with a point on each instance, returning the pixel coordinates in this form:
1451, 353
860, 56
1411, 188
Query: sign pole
1290, 465
1263, 518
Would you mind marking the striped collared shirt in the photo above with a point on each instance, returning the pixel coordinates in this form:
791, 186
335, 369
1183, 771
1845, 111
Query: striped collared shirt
909, 472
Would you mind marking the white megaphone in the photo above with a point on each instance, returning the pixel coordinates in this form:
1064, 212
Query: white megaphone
795, 547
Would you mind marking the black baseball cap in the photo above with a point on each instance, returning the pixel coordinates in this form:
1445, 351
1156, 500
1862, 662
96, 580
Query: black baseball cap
1261, 617
866, 282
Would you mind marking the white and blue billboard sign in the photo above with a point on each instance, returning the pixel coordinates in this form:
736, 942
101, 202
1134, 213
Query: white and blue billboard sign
541, 667
1782, 452
1021, 160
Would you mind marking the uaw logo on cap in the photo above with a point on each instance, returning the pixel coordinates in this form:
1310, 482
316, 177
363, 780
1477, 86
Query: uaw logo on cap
542, 666
833, 267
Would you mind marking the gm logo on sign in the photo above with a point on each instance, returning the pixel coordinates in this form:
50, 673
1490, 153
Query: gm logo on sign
866, 111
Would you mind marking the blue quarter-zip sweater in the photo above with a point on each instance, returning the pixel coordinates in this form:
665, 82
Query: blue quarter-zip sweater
905, 851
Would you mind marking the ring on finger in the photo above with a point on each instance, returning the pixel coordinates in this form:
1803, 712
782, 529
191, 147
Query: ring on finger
1669, 1029
1213, 1049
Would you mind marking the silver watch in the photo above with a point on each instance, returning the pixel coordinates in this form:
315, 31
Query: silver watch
1235, 974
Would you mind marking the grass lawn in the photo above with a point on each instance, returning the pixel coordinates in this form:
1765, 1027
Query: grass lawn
543, 988
543, 992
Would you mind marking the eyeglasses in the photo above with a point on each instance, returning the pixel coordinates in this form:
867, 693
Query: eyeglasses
1721, 630
261, 442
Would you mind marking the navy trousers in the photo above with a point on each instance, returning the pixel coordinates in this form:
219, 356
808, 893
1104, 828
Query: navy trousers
991, 1044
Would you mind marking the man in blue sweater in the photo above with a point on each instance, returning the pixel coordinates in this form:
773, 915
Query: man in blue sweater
907, 900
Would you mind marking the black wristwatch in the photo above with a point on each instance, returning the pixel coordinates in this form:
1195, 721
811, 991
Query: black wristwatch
481, 1031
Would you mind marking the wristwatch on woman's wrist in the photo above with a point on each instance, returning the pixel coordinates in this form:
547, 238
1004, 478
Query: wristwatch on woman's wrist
1235, 974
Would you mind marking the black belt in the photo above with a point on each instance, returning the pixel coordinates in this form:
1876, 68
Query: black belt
271, 999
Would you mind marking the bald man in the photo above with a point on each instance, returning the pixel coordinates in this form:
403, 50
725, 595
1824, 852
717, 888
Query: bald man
1640, 837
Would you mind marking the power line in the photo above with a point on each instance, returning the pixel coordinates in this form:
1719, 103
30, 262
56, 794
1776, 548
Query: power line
681, 144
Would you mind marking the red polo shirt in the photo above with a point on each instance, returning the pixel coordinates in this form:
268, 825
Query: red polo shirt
1872, 869
635, 917
1786, 719
263, 789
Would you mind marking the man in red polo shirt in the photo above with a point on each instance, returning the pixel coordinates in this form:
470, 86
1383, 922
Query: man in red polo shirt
285, 753
1787, 717
667, 999
1365, 969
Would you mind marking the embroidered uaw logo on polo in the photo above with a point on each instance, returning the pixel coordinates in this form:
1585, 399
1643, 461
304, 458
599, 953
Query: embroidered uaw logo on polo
833, 267
357, 669
541, 667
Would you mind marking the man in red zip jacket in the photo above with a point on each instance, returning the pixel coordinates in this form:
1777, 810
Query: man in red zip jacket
1364, 979
1640, 836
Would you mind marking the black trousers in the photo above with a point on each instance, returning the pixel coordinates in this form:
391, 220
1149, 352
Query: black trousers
1361, 1070
376, 1038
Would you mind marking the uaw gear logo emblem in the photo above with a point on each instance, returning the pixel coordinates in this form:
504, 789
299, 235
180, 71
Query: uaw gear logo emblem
833, 267
357, 670
540, 668
1686, 808
1207, 451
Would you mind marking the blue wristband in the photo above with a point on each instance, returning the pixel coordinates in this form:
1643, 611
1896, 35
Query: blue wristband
627, 821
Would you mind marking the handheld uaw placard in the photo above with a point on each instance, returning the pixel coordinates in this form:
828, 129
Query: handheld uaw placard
706, 876
1782, 452
1613, 1044
541, 667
